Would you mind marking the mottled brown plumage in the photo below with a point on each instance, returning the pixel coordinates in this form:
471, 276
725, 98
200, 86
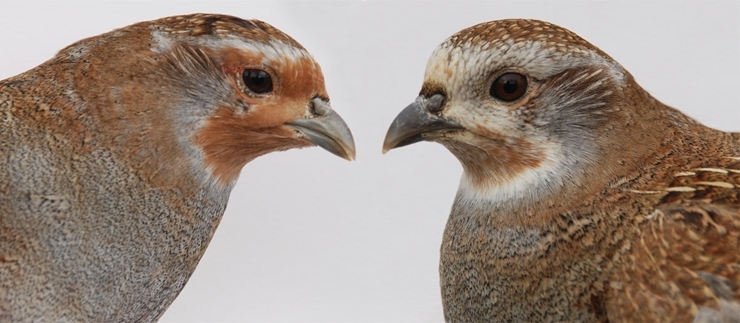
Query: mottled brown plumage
583, 199
117, 157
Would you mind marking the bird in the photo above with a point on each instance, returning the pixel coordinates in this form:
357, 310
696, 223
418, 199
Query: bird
117, 157
583, 198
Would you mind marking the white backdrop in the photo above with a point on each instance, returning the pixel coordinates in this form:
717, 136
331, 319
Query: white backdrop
360, 242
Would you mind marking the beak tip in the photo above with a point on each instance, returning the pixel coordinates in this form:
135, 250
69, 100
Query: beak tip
351, 152
344, 153
386, 149
329, 132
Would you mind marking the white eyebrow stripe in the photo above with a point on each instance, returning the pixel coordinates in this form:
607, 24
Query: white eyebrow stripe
273, 51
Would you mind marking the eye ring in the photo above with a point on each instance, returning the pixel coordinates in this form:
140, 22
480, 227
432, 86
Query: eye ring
509, 87
257, 81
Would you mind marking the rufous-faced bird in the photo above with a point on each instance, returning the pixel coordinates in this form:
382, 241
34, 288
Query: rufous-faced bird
117, 157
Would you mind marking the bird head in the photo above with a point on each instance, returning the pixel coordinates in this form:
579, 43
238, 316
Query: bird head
210, 91
524, 105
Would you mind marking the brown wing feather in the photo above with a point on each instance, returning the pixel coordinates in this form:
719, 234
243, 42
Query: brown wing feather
707, 221
686, 262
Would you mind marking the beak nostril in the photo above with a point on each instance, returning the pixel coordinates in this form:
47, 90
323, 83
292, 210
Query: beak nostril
319, 107
434, 104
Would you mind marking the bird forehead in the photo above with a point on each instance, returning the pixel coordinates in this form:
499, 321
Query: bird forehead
533, 57
536, 48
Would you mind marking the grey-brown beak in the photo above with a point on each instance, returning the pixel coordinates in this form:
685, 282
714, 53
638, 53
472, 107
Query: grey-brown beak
417, 122
327, 130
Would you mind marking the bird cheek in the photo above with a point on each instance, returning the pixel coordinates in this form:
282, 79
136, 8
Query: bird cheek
229, 142
274, 112
486, 132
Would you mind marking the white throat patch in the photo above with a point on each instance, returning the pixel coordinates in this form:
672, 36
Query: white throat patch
529, 185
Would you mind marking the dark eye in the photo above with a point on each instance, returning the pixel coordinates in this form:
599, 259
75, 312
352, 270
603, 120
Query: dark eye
257, 81
509, 87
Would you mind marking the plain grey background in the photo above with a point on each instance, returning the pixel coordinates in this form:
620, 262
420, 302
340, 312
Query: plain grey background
309, 237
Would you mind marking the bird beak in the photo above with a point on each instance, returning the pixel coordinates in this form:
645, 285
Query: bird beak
327, 130
418, 123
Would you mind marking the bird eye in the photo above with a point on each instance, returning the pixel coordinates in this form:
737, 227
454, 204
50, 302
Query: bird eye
257, 81
509, 87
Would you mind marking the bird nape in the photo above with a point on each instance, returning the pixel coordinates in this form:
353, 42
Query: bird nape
583, 198
119, 154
